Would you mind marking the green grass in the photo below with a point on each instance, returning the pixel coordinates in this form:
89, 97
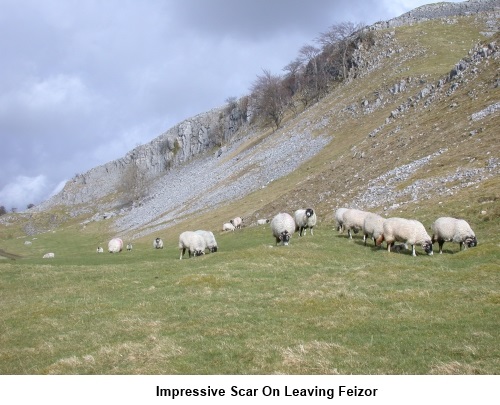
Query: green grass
323, 305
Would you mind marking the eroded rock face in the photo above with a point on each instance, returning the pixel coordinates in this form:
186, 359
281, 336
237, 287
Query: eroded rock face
144, 163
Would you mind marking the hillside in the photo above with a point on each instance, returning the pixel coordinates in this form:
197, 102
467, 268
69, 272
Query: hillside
415, 124
413, 132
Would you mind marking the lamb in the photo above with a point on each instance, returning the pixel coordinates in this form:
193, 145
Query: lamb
193, 242
228, 227
373, 227
115, 245
210, 242
408, 231
304, 219
158, 243
129, 247
262, 221
283, 226
338, 218
447, 229
48, 256
99, 249
353, 220
236, 222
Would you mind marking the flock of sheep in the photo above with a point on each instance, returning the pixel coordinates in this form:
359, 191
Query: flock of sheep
379, 229
408, 231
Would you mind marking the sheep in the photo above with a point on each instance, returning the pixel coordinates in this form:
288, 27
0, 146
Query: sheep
236, 222
158, 243
283, 226
115, 245
373, 227
262, 221
447, 229
353, 220
193, 242
408, 231
305, 218
210, 242
338, 218
228, 227
99, 249
129, 247
48, 256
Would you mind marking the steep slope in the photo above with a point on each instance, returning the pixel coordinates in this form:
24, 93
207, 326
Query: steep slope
415, 125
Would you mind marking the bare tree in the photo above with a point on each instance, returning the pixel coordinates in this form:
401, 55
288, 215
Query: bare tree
270, 97
339, 40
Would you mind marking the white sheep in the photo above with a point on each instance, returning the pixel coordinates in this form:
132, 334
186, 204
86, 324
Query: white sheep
408, 231
236, 222
193, 242
48, 256
373, 226
283, 226
353, 220
304, 219
210, 242
99, 249
129, 247
115, 245
262, 221
157, 243
447, 229
228, 227
338, 218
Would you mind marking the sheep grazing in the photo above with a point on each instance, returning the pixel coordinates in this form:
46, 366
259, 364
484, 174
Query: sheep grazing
228, 227
408, 231
283, 226
115, 245
304, 219
48, 256
262, 221
353, 220
193, 242
446, 229
236, 222
210, 242
158, 243
99, 249
373, 227
129, 247
338, 218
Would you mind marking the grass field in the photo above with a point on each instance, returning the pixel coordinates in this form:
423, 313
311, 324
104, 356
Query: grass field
323, 305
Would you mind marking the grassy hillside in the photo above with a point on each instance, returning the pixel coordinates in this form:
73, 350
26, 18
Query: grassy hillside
324, 304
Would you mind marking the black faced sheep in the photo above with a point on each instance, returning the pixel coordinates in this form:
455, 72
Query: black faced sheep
408, 231
193, 242
304, 219
210, 242
158, 243
283, 226
237, 222
447, 229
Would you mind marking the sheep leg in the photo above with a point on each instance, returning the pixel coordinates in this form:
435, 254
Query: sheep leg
389, 246
413, 253
441, 243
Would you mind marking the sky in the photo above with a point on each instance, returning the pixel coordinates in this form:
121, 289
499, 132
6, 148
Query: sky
82, 82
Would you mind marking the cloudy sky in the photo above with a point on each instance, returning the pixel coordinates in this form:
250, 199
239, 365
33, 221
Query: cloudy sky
84, 81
